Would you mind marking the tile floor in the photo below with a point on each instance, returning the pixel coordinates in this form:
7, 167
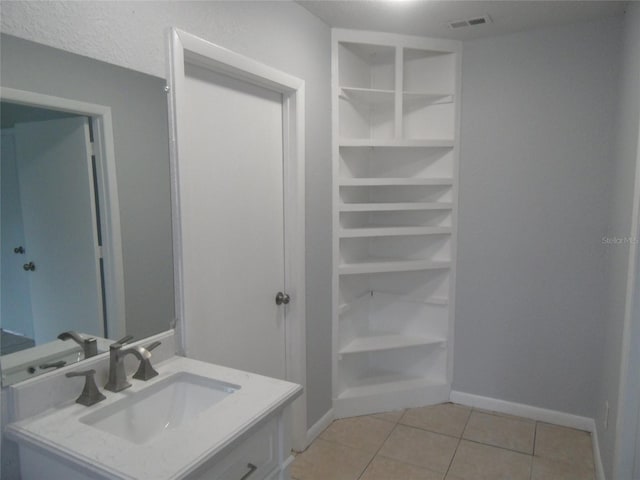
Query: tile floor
446, 442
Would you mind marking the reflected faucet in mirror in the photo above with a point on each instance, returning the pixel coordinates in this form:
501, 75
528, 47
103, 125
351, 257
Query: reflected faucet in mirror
89, 344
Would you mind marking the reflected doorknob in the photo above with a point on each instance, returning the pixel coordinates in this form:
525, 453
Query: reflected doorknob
282, 298
29, 267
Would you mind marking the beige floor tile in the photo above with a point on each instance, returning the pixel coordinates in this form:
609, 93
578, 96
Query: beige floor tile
474, 461
366, 433
446, 418
563, 443
419, 447
389, 416
501, 431
382, 468
550, 469
328, 460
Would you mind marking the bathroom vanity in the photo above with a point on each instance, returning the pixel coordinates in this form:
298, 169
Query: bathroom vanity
194, 420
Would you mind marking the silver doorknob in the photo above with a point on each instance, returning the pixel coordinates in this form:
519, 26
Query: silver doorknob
29, 267
282, 298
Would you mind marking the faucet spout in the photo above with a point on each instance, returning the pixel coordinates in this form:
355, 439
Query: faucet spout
89, 344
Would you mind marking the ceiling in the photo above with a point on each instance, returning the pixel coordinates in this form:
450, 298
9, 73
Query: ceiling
431, 17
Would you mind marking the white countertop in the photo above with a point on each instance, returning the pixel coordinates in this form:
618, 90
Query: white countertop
173, 453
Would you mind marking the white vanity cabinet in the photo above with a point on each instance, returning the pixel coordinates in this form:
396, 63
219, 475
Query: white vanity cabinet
243, 435
262, 455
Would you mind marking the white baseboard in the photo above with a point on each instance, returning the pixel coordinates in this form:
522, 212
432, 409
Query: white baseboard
522, 410
536, 413
318, 427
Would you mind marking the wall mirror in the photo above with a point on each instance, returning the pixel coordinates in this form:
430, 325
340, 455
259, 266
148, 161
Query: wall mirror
85, 200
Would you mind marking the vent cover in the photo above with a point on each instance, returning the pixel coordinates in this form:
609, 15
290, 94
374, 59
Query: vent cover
470, 22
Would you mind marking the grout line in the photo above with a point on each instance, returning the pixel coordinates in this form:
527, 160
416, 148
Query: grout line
535, 434
396, 423
499, 447
459, 442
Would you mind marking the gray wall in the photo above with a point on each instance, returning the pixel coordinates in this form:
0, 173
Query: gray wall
623, 166
139, 110
537, 127
281, 34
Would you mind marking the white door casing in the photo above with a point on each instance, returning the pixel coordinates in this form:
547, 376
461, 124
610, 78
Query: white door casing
55, 177
191, 61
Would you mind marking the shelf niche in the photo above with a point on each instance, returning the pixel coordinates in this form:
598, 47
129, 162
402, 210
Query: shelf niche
395, 182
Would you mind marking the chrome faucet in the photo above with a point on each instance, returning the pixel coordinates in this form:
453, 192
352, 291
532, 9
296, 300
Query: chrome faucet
117, 375
89, 344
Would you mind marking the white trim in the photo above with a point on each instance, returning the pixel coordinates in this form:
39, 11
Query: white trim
107, 191
405, 41
187, 48
539, 414
522, 410
319, 427
627, 421
597, 458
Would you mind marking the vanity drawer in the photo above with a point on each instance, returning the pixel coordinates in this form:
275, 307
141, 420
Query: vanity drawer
253, 459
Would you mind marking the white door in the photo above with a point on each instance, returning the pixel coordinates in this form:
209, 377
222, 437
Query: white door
55, 177
231, 202
14, 286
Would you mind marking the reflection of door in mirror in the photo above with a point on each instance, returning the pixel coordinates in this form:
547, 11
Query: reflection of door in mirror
55, 285
17, 321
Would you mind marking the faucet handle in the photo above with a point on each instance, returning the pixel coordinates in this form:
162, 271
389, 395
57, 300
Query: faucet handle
153, 345
58, 364
125, 339
90, 394
145, 369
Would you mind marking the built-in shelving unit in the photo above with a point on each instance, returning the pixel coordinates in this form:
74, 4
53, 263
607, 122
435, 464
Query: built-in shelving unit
395, 146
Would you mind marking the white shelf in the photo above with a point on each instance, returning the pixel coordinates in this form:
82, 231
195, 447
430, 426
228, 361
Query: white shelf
367, 95
374, 142
383, 266
409, 181
432, 98
437, 301
357, 302
387, 342
394, 207
392, 231
386, 384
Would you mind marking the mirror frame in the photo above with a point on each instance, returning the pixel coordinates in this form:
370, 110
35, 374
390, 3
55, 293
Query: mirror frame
114, 298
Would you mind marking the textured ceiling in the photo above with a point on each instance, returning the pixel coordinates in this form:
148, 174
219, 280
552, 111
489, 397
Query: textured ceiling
431, 17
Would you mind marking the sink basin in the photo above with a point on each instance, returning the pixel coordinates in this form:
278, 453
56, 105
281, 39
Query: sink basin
167, 404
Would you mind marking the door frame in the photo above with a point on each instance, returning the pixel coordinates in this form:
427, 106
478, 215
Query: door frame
627, 433
185, 48
103, 146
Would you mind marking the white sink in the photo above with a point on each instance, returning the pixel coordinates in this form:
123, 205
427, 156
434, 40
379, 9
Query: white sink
167, 404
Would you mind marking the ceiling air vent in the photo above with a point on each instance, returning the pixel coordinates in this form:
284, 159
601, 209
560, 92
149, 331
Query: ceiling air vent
470, 22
